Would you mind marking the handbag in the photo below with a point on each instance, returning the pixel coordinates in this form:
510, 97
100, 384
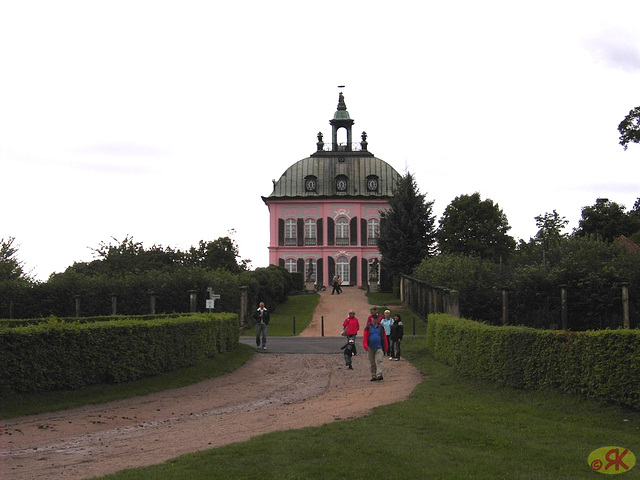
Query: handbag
344, 330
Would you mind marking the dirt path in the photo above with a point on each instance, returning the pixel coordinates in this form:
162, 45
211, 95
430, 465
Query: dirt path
272, 392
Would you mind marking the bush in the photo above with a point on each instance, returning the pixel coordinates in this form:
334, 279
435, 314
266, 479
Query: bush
57, 355
603, 364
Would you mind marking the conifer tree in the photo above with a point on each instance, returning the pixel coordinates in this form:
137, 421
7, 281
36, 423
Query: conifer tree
407, 232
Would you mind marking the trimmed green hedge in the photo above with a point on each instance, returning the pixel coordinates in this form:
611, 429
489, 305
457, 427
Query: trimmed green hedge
23, 322
57, 355
603, 364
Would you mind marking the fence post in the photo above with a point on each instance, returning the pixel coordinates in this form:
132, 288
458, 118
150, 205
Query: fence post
77, 299
294, 324
414, 325
193, 300
505, 306
244, 306
625, 305
563, 303
322, 325
152, 303
114, 304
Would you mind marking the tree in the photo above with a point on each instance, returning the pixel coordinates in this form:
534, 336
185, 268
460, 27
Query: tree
629, 128
10, 267
606, 220
407, 233
634, 216
220, 253
475, 227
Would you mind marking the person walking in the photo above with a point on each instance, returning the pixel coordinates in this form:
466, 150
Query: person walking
262, 320
374, 311
375, 343
349, 351
386, 323
397, 332
335, 283
351, 327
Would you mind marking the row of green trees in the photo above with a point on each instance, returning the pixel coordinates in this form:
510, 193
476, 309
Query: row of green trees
132, 273
472, 252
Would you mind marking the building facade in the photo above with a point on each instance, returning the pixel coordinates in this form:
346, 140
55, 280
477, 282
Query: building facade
325, 209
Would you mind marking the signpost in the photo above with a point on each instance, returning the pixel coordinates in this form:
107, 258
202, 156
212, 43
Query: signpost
211, 302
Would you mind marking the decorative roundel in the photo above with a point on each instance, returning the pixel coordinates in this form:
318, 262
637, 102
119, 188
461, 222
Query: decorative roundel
341, 185
341, 159
372, 184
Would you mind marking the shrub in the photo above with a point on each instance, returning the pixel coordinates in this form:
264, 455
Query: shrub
602, 364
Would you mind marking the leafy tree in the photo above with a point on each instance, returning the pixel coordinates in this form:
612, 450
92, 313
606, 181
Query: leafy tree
407, 233
10, 267
476, 280
634, 215
606, 220
220, 253
475, 227
629, 128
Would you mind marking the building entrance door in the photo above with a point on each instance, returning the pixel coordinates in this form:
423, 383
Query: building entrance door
342, 268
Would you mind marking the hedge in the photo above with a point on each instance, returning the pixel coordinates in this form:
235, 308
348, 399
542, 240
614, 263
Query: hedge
603, 364
56, 355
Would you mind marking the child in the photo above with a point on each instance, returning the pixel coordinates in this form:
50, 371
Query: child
349, 350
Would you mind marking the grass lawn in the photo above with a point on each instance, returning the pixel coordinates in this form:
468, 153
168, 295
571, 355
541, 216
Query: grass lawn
281, 323
451, 427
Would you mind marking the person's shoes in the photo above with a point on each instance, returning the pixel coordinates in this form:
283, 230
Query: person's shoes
397, 359
379, 378
390, 358
264, 348
350, 367
258, 343
374, 379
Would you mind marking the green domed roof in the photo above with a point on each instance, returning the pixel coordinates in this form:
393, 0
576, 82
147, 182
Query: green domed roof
326, 169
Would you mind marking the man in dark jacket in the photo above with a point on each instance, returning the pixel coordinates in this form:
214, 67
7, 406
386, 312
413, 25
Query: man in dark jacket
262, 320
397, 332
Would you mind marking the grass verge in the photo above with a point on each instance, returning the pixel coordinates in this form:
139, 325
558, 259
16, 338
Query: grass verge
451, 427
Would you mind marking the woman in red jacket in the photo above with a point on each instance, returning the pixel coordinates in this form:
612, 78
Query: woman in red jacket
352, 328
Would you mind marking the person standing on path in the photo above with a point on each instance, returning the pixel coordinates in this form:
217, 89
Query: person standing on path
352, 327
397, 332
375, 343
262, 320
386, 323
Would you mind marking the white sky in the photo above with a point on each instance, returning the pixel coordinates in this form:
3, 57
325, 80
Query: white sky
153, 118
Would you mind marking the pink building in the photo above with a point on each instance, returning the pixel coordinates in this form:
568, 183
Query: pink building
325, 209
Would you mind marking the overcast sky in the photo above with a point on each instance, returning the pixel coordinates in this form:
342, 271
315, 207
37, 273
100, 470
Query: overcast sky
167, 121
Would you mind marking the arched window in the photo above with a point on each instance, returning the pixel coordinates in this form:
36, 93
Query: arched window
290, 232
291, 265
373, 231
342, 231
310, 236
